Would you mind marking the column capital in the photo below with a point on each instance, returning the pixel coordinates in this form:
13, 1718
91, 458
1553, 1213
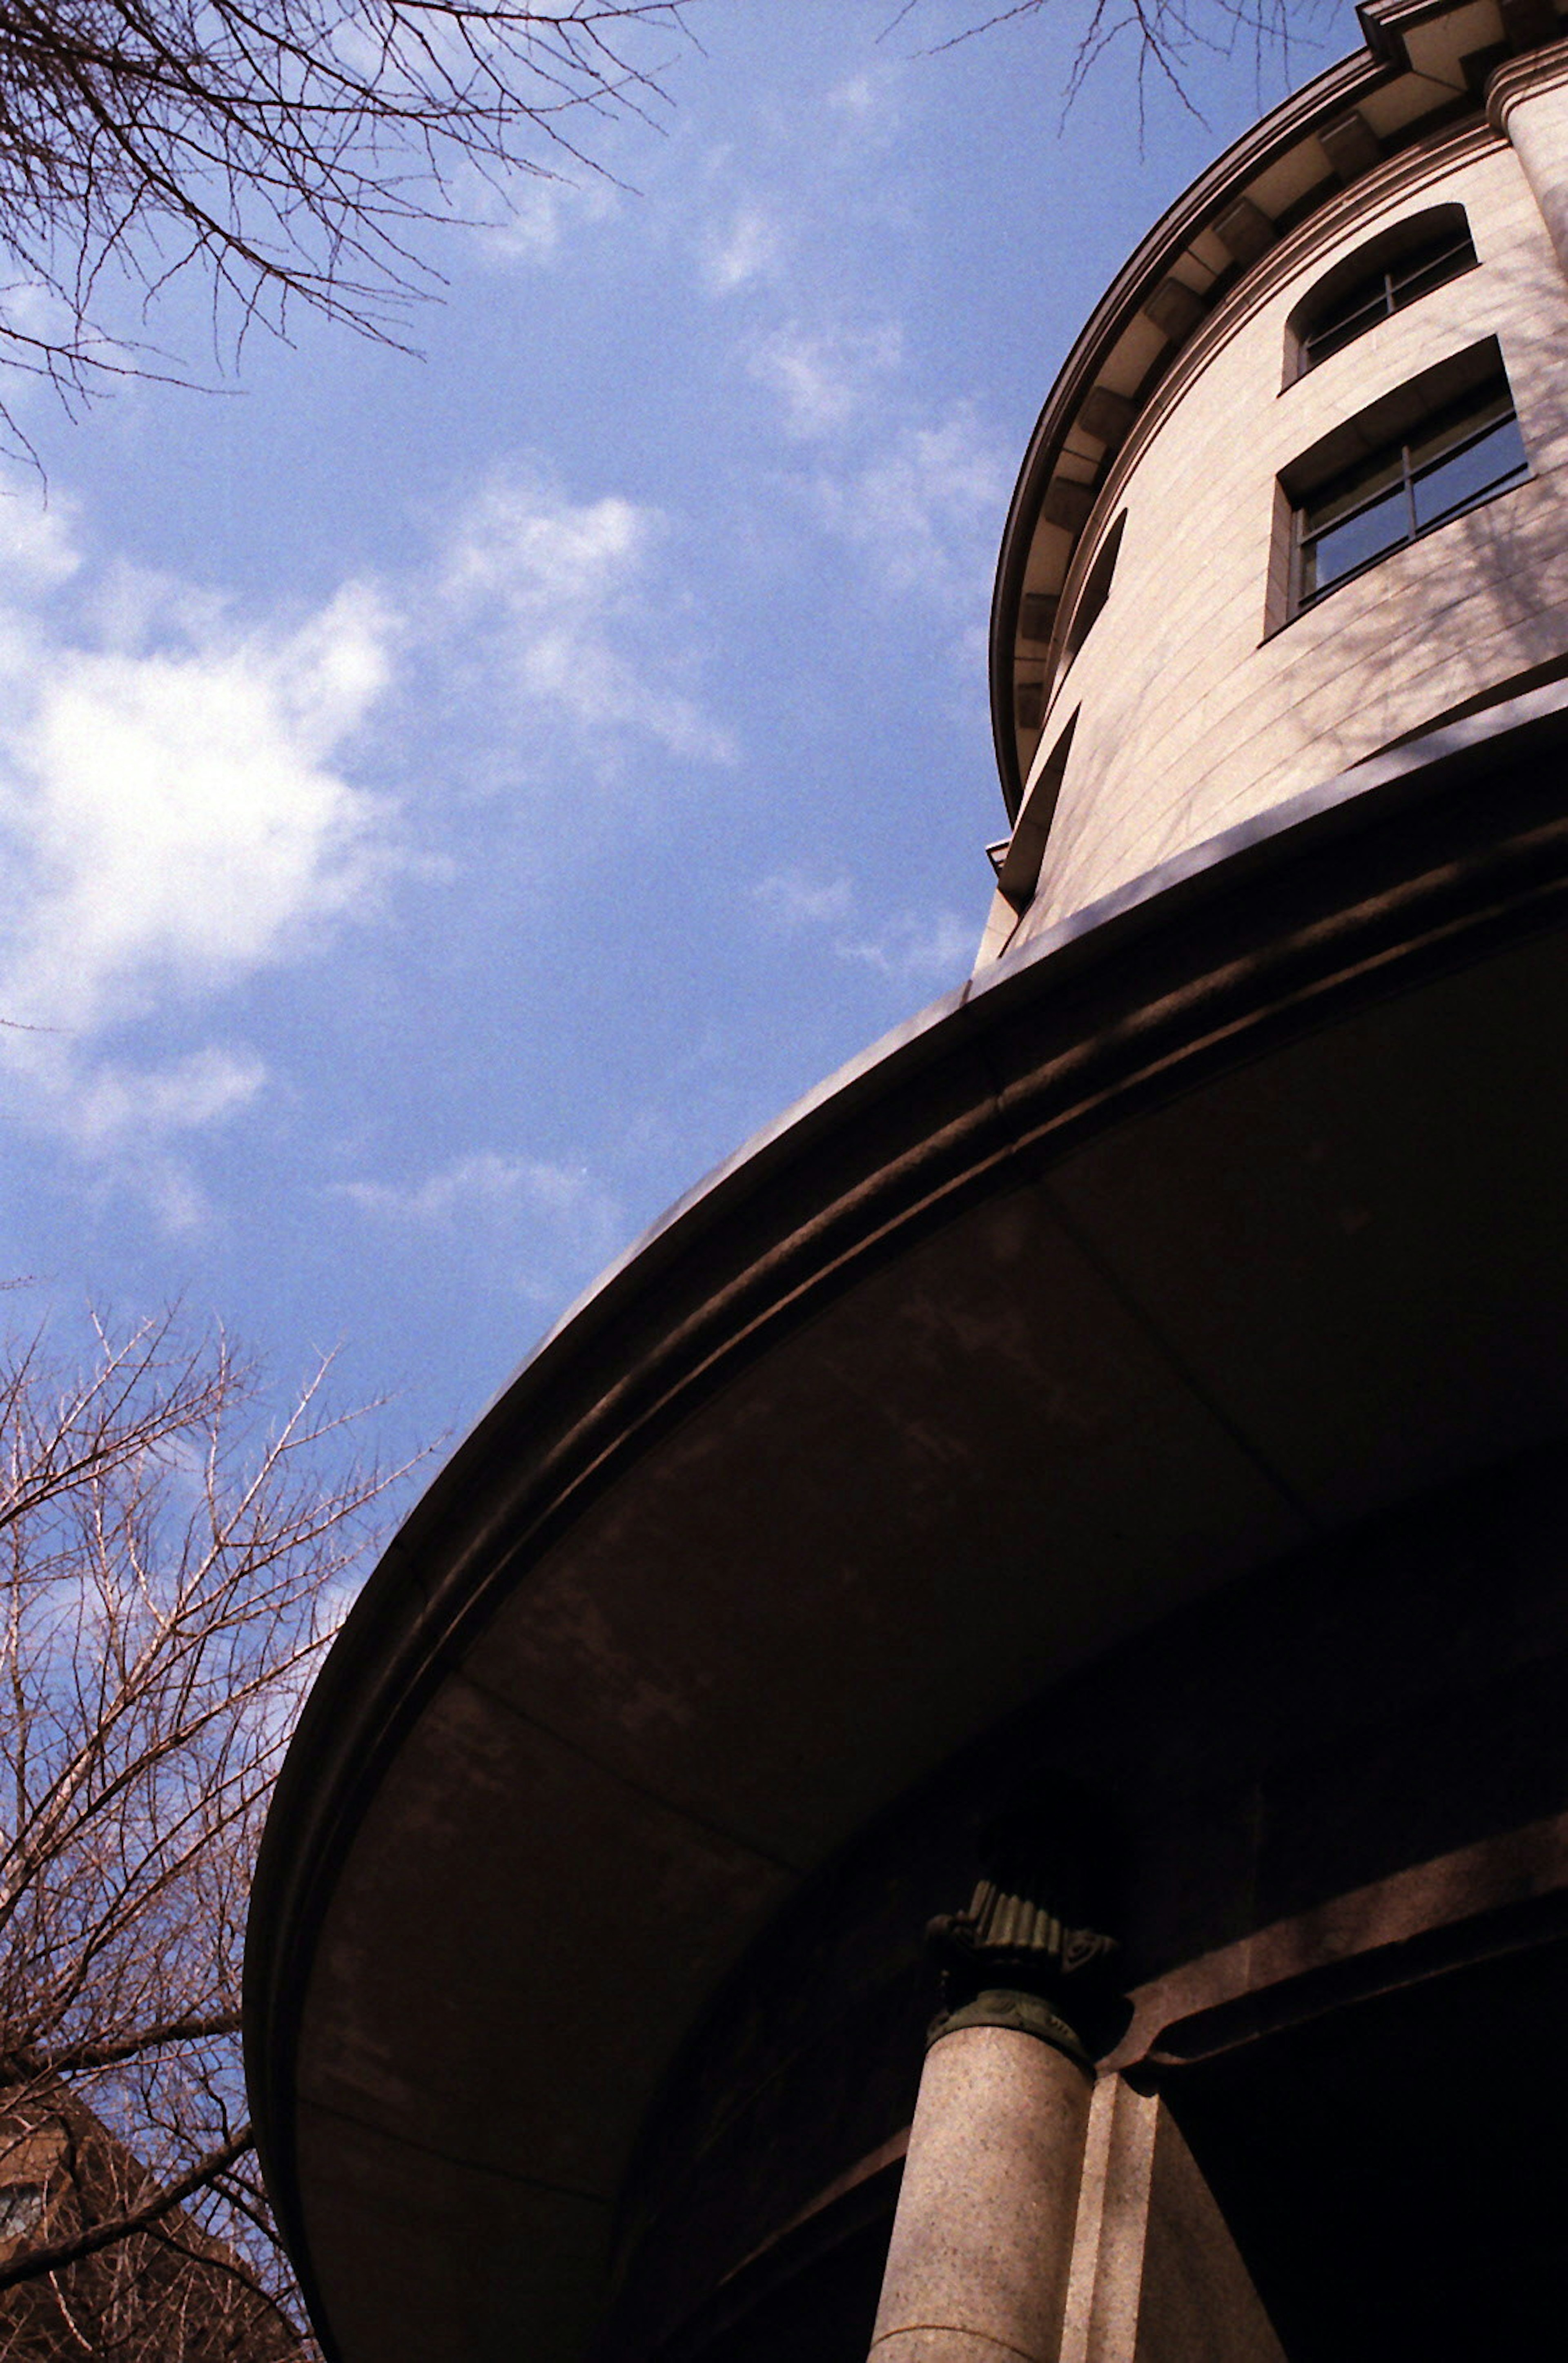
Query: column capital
1021, 1956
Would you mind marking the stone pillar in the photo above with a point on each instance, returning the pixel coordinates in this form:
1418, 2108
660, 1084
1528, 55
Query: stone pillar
1527, 101
982, 2246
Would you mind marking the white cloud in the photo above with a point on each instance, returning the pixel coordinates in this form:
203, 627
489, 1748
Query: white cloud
825, 379
119, 1105
935, 947
484, 1183
911, 948
173, 820
859, 95
559, 1222
579, 607
131, 1124
792, 900
39, 316
920, 501
38, 549
748, 249
179, 812
174, 817
530, 220
925, 509
130, 1121
872, 102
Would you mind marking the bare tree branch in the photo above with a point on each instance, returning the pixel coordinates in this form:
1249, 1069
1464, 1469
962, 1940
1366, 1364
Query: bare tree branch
290, 150
76, 2057
1165, 37
172, 1564
36, 2264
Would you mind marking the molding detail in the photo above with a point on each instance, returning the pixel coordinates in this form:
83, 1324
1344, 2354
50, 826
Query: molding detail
1524, 78
1013, 1958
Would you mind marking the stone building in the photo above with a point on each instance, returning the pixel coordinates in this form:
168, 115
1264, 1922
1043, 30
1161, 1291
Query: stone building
168, 2293
1090, 1478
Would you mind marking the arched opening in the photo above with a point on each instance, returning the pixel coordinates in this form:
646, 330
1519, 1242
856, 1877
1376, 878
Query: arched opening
1397, 268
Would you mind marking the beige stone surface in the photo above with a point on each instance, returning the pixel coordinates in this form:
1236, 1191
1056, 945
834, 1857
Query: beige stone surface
1107, 2276
1155, 2277
1526, 104
1200, 705
943, 2346
983, 2239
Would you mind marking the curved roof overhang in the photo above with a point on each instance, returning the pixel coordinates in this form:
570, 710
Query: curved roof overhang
1423, 72
1231, 1210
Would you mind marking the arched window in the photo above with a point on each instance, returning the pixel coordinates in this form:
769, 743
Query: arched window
1380, 278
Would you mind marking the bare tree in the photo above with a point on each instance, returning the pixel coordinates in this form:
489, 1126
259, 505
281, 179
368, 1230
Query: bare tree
290, 147
169, 1574
1164, 37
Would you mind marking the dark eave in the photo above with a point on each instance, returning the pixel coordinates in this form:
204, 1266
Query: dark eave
458, 2003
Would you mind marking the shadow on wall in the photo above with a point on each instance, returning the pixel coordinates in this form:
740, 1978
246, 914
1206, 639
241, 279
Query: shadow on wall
1503, 627
1474, 610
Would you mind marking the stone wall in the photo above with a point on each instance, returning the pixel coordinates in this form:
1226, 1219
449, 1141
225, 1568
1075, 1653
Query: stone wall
1200, 702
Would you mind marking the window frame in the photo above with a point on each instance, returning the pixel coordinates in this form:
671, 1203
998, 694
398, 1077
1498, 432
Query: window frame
1020, 861
1457, 387
1405, 248
1410, 477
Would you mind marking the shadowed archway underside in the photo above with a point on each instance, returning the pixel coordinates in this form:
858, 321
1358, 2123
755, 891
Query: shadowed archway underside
1216, 1221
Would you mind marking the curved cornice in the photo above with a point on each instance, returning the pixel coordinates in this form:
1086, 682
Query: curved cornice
1391, 873
1150, 262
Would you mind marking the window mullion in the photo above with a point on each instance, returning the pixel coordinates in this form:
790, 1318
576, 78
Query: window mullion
1324, 323
1448, 462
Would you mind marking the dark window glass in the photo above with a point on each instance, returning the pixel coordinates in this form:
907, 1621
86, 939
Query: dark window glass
1342, 549
1366, 300
1445, 483
1460, 457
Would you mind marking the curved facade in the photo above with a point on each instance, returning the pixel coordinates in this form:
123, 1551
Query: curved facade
973, 1760
1205, 695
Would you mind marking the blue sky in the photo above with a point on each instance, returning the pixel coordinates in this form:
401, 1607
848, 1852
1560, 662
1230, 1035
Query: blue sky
450, 802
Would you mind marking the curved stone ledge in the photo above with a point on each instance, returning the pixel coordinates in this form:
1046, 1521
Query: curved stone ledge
643, 1659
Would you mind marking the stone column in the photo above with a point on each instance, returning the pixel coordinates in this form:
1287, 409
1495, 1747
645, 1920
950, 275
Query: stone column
1527, 101
982, 2246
